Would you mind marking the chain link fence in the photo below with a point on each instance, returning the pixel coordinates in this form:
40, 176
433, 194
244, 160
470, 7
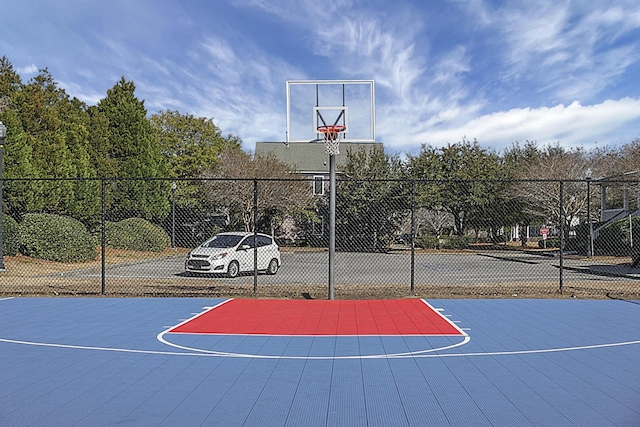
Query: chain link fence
394, 238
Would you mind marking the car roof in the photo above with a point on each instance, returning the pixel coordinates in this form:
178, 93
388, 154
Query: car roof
241, 233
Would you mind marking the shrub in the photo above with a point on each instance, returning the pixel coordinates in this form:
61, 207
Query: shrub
136, 234
427, 242
550, 243
55, 238
10, 236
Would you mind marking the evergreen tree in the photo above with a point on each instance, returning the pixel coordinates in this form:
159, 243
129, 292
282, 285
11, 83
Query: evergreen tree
132, 152
39, 137
10, 85
19, 196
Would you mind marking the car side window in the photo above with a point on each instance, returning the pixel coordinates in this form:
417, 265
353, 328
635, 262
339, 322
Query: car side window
249, 241
264, 241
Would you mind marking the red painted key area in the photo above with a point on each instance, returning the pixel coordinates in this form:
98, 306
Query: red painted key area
320, 317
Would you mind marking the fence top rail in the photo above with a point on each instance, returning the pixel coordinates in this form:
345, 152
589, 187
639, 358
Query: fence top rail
340, 178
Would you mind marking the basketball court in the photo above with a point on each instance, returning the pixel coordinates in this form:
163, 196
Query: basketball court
250, 362
410, 362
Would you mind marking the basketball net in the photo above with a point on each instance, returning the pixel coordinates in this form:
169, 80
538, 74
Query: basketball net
332, 138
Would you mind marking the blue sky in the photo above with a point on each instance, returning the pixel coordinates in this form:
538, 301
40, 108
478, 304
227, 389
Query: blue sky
496, 71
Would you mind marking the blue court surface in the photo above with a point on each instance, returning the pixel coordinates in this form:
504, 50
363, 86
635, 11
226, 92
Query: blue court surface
104, 362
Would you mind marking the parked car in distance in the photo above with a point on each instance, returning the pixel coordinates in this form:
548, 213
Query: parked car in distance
233, 253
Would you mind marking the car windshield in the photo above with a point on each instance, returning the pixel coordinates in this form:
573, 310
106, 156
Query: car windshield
222, 241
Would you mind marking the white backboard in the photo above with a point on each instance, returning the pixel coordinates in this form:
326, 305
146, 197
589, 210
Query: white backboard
312, 103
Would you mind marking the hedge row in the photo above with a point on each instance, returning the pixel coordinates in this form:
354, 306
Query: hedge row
63, 239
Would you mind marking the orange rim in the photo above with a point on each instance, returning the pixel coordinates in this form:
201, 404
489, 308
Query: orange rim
332, 129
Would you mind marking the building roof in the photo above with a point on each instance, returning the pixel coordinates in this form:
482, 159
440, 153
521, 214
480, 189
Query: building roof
308, 157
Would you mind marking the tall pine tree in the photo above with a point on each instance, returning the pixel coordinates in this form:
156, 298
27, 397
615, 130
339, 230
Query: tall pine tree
48, 139
19, 196
132, 152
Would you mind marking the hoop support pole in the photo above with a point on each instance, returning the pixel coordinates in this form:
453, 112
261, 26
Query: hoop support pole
332, 224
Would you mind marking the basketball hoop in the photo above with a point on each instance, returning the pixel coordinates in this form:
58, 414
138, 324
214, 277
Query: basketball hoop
332, 138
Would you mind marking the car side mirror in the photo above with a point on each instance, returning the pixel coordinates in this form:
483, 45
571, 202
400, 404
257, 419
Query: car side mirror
245, 247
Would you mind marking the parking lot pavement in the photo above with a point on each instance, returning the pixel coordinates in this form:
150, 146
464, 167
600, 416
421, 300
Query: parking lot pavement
311, 267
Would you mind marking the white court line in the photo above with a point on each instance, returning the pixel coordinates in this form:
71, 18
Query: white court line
239, 355
161, 338
439, 311
196, 315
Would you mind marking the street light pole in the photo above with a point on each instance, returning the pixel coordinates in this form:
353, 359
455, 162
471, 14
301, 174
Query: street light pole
588, 176
3, 134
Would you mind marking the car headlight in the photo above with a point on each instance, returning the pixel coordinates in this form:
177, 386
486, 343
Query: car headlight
219, 256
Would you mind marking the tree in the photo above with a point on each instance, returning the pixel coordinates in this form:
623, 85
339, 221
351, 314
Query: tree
86, 204
48, 140
190, 145
432, 222
132, 152
232, 186
19, 196
546, 168
517, 160
464, 180
370, 202
10, 85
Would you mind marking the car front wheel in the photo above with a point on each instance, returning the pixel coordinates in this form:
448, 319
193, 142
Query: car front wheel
233, 269
273, 267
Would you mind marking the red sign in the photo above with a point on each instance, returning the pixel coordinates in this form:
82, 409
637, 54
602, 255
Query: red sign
544, 231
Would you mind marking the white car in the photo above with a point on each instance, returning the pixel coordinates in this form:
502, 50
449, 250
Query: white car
232, 253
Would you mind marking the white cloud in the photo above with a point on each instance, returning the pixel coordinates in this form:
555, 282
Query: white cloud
571, 125
573, 51
241, 86
86, 93
28, 70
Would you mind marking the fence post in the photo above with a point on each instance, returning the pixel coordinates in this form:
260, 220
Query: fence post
104, 238
413, 237
255, 236
562, 221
